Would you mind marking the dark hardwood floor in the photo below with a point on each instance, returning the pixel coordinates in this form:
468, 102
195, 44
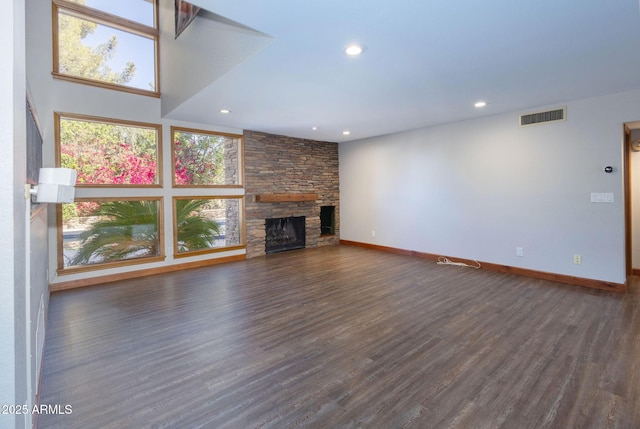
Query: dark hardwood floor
339, 337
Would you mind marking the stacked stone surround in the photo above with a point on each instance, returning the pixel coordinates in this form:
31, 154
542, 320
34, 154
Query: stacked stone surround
277, 164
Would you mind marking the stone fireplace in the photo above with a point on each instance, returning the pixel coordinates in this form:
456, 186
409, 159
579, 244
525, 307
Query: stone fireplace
287, 177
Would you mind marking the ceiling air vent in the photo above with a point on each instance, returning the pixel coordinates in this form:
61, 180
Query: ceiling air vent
543, 117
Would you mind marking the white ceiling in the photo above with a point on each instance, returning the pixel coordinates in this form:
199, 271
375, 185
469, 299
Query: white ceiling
426, 62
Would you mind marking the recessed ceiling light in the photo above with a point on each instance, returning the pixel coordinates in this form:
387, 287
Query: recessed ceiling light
314, 128
354, 50
480, 104
346, 132
225, 111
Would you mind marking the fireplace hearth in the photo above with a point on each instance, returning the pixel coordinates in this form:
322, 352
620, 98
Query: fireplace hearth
285, 233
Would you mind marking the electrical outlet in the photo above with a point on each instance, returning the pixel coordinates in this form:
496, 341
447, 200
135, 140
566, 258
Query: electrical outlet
373, 232
519, 251
577, 259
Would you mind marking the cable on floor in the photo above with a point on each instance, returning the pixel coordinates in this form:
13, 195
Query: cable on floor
446, 261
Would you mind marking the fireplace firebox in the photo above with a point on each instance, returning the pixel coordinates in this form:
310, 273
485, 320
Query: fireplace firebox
285, 233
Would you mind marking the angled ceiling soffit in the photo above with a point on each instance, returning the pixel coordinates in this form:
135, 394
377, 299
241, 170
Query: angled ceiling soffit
205, 51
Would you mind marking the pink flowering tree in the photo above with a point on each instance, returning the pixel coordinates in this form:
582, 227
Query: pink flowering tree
106, 154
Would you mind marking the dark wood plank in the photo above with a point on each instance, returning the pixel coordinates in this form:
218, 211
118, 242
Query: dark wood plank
342, 336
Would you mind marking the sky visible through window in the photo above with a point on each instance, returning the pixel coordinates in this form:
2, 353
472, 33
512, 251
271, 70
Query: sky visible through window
133, 48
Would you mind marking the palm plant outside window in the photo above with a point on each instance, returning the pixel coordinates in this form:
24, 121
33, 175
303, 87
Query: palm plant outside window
107, 232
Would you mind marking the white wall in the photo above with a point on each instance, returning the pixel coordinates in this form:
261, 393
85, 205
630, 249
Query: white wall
13, 360
480, 188
38, 295
52, 95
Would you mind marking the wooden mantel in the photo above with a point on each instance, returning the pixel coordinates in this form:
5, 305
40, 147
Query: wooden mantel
285, 198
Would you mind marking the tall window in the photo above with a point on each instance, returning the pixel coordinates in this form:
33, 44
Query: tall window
108, 227
108, 43
212, 221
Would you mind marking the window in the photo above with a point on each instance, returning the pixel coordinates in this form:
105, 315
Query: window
110, 232
112, 44
107, 152
207, 224
205, 159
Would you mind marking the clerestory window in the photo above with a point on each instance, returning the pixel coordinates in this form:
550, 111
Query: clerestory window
107, 43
